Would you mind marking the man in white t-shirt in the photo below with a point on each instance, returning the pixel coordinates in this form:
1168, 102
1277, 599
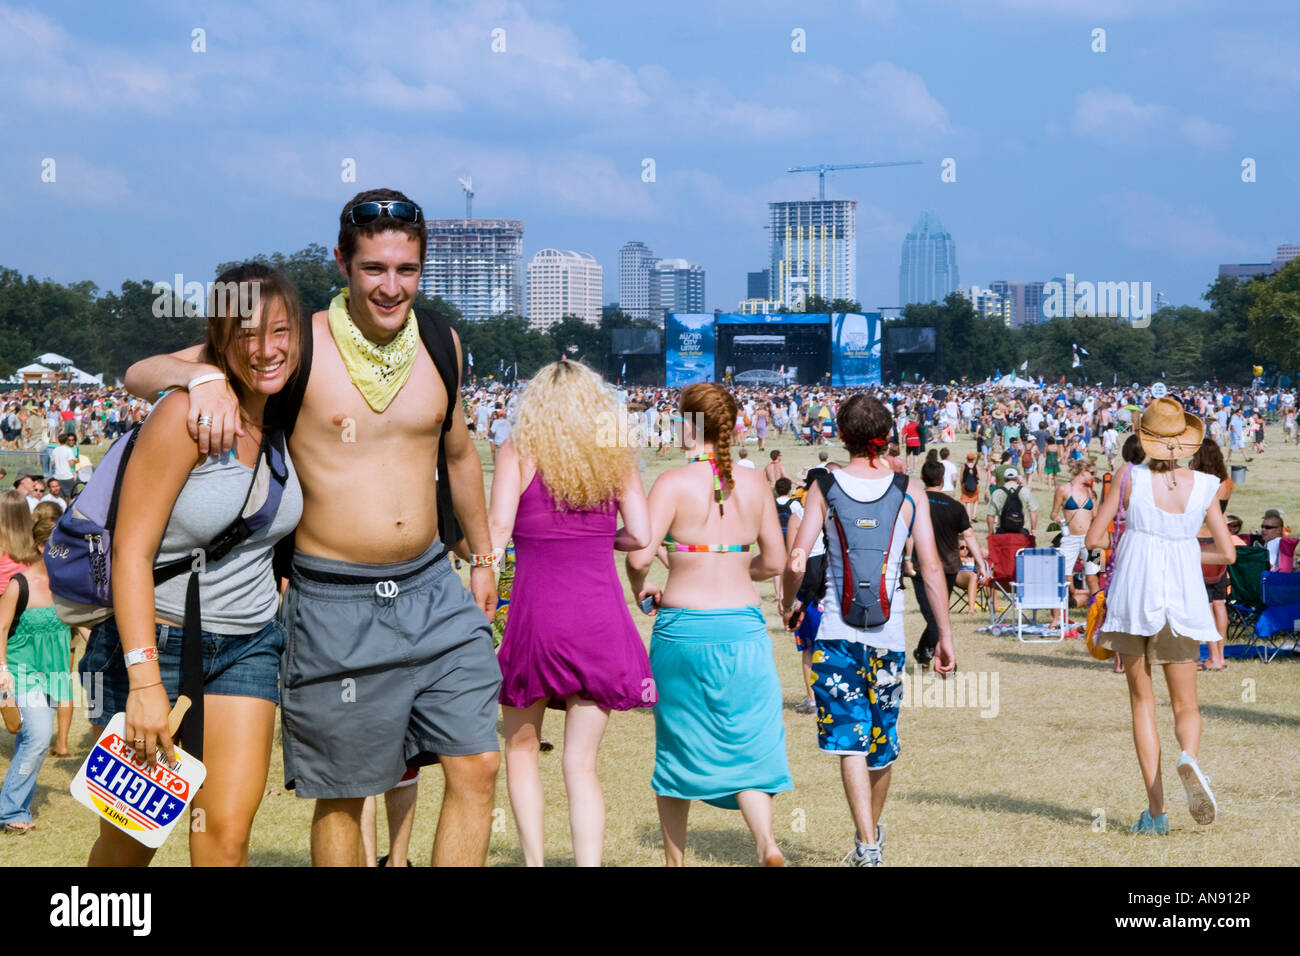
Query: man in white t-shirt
858, 672
499, 431
744, 461
950, 472
61, 463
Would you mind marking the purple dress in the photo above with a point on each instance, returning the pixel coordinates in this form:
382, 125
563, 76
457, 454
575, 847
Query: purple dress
569, 630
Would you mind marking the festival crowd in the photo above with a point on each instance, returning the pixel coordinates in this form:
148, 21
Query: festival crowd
350, 619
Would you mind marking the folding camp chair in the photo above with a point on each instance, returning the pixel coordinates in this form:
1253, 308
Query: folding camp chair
1281, 593
1041, 585
1000, 550
1246, 599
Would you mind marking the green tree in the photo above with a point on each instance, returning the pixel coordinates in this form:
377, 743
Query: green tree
579, 340
312, 270
1274, 318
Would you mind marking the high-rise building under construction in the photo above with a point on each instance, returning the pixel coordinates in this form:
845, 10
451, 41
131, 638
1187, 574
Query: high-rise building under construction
814, 250
476, 265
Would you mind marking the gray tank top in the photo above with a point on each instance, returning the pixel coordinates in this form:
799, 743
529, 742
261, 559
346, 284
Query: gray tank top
238, 593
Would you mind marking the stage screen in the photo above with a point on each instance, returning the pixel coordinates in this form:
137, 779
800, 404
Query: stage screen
855, 348
910, 341
794, 347
635, 342
688, 353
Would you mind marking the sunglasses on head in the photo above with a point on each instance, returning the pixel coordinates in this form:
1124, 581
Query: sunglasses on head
364, 213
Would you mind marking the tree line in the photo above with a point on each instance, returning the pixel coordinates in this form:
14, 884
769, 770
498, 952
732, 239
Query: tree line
1248, 323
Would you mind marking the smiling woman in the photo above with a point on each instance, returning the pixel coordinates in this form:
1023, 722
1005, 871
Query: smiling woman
175, 502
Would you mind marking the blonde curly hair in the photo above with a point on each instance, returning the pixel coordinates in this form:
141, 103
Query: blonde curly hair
563, 427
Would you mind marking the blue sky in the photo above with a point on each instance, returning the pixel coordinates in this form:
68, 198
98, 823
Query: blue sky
1122, 165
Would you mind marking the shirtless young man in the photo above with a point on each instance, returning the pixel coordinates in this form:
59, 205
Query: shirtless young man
388, 660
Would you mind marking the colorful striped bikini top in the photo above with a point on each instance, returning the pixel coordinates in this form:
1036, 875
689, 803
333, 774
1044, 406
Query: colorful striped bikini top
671, 545
676, 546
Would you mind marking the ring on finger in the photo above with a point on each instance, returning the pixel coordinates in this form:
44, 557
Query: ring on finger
205, 420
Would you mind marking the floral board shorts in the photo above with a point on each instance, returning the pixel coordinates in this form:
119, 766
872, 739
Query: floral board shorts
858, 690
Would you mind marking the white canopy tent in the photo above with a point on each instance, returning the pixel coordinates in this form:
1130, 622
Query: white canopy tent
53, 358
1015, 381
64, 372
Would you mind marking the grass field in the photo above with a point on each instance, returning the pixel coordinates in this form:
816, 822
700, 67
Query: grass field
1049, 777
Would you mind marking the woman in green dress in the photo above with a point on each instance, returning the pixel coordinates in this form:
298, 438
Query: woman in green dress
33, 658
1052, 460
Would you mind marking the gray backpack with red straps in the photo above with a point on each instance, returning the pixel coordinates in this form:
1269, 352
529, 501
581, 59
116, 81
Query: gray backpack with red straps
859, 537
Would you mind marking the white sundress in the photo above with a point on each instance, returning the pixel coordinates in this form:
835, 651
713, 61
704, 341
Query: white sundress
1157, 577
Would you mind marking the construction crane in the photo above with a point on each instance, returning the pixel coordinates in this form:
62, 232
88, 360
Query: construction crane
467, 184
821, 168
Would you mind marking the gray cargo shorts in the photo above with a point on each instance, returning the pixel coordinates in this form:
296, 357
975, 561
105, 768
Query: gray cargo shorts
385, 667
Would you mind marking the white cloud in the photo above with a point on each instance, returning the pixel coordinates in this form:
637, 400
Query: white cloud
1145, 221
381, 86
1203, 132
43, 66
883, 98
79, 181
1116, 117
1271, 58
559, 181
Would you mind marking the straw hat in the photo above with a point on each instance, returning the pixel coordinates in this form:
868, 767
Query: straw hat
1167, 432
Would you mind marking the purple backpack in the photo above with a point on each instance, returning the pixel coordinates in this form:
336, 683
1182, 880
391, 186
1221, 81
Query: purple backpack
78, 557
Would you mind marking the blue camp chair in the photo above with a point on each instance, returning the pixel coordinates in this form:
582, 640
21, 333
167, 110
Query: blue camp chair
1041, 585
1277, 622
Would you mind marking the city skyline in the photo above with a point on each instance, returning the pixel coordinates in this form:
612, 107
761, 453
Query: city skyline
1150, 151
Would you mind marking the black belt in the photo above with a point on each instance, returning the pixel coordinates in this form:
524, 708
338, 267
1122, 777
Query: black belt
331, 577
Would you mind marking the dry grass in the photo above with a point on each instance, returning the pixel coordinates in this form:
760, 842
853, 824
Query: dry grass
1052, 779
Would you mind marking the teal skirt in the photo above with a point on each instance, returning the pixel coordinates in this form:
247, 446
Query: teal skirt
719, 727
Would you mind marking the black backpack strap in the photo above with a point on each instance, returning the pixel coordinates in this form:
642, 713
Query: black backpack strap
282, 414
22, 603
110, 520
826, 482
435, 333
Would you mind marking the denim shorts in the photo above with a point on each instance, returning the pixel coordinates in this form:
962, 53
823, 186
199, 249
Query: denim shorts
234, 665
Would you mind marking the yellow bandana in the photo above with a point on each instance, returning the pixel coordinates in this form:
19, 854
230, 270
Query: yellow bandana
378, 371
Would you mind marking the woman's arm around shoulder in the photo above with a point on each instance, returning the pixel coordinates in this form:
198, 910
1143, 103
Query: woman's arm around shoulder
150, 376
